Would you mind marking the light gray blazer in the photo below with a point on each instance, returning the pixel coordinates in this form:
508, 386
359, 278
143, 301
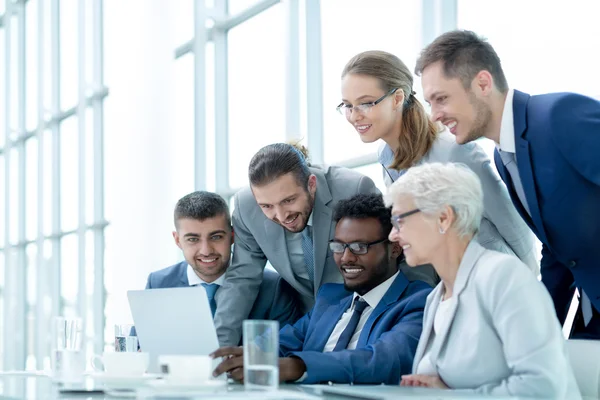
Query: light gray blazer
502, 228
503, 337
258, 239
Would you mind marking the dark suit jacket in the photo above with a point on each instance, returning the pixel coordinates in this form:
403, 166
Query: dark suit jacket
557, 143
275, 299
386, 346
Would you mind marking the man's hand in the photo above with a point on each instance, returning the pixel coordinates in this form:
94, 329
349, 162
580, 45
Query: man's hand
233, 364
430, 381
291, 369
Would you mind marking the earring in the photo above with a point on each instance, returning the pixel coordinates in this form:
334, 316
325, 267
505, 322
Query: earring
442, 231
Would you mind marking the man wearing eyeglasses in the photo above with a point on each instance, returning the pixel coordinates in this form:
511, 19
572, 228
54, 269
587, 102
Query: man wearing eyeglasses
364, 331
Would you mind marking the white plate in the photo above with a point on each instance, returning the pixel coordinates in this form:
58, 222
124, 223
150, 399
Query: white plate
164, 385
123, 382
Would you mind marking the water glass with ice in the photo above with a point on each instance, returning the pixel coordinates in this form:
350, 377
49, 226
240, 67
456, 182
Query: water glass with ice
261, 355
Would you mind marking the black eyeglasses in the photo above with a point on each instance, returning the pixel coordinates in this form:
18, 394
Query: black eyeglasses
346, 109
357, 248
397, 219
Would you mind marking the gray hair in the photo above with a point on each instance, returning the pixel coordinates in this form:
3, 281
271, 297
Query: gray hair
435, 186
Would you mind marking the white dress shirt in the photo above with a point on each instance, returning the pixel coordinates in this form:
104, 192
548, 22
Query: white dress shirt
294, 246
194, 279
507, 125
373, 297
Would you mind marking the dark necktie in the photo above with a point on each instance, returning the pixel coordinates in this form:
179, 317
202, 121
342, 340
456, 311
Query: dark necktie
211, 289
344, 340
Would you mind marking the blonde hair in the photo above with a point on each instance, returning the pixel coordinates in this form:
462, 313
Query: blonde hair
418, 132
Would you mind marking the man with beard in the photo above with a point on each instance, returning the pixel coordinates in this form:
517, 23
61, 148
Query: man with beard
284, 217
546, 152
203, 232
364, 331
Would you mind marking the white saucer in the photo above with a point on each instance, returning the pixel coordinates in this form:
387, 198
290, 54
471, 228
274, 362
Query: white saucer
163, 385
123, 381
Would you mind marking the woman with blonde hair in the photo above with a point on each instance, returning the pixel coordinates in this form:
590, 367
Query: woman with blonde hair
489, 326
379, 101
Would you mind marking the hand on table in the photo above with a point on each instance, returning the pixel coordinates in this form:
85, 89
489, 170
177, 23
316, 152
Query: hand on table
430, 381
290, 368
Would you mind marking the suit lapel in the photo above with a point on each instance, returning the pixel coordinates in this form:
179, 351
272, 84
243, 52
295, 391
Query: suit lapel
183, 278
524, 161
327, 323
472, 254
393, 294
322, 225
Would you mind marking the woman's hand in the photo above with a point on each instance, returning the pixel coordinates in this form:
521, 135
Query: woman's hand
430, 381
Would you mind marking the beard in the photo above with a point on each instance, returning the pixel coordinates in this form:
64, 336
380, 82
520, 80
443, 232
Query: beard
304, 214
483, 118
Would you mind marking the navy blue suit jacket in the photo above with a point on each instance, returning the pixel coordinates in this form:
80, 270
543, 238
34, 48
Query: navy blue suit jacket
386, 346
275, 299
557, 142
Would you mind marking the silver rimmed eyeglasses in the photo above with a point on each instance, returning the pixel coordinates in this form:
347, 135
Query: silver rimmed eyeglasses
397, 219
346, 109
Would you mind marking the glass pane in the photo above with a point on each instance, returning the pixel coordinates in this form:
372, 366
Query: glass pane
69, 76
1, 277
237, 6
13, 197
89, 166
256, 89
2, 6
47, 80
31, 274
31, 188
69, 273
396, 27
183, 135
46, 196
3, 188
183, 11
15, 74
32, 65
539, 58
2, 87
69, 142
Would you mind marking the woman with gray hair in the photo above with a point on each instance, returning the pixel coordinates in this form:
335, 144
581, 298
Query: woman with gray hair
489, 325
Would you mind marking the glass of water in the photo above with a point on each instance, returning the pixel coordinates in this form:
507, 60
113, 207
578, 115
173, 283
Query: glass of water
261, 355
125, 338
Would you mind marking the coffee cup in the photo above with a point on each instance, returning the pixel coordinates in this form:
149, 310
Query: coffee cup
121, 363
186, 368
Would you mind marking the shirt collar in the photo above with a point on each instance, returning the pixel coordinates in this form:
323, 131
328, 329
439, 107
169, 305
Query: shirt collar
194, 279
386, 156
507, 126
374, 296
310, 221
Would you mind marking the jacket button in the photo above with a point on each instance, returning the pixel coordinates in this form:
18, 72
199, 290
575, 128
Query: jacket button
572, 263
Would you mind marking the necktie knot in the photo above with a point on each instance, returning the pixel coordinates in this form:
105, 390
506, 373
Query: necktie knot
360, 305
211, 289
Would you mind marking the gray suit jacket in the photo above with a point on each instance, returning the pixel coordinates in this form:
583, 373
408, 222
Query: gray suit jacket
502, 228
502, 336
258, 239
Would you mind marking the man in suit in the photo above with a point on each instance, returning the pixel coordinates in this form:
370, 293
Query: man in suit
283, 217
203, 232
364, 331
546, 152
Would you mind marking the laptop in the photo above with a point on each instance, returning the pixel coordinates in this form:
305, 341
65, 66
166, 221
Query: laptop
174, 321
